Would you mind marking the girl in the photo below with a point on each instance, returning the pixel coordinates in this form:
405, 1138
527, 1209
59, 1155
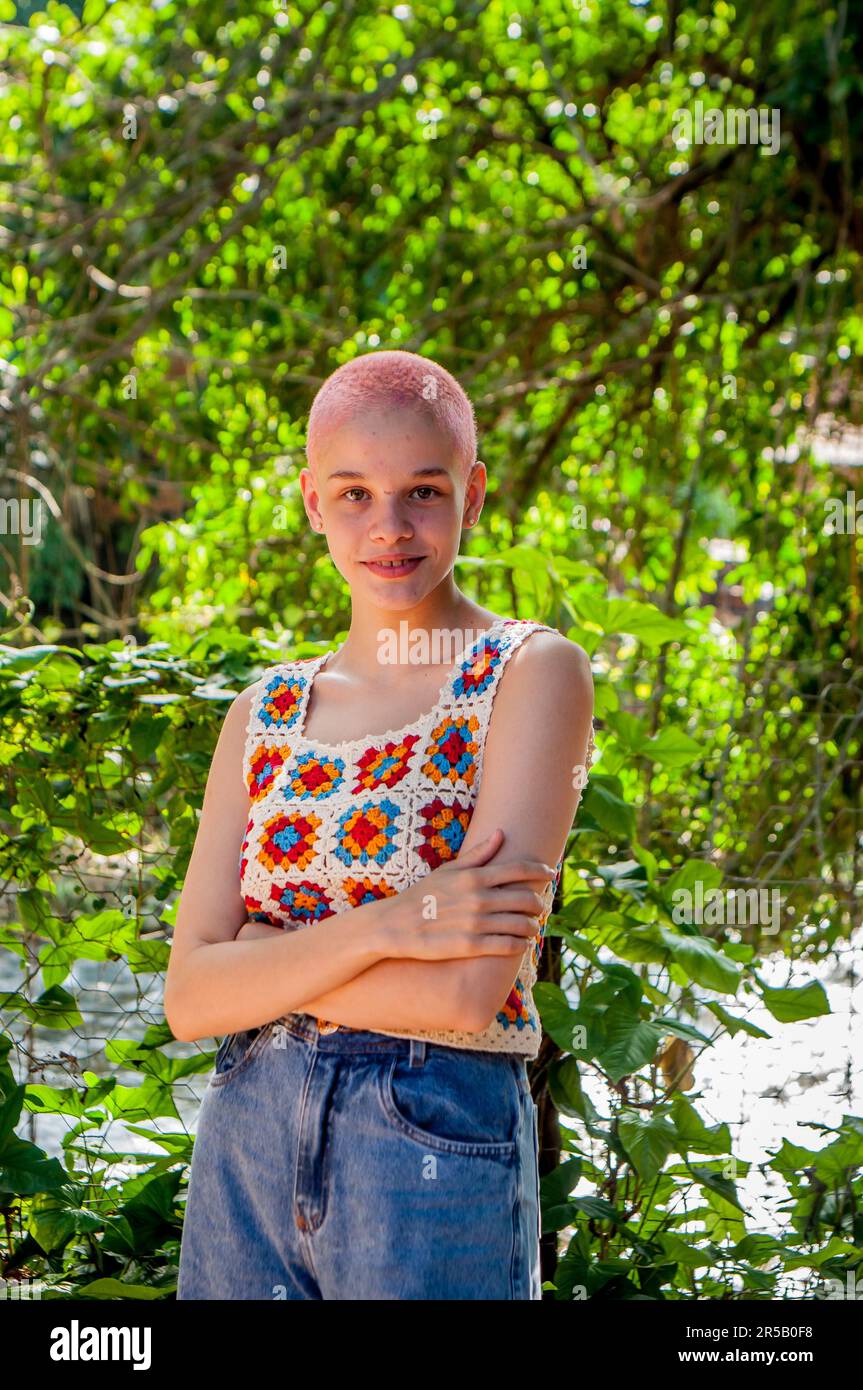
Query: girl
368, 1130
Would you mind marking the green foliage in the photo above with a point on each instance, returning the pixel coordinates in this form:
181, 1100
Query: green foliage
132, 731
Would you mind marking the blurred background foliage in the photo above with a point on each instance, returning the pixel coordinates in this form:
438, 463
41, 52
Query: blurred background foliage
204, 209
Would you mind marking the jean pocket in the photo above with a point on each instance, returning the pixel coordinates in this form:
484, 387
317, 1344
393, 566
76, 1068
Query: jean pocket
455, 1103
236, 1051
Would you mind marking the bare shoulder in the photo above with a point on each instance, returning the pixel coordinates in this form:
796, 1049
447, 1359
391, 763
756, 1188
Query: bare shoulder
549, 661
239, 711
543, 707
243, 702
227, 771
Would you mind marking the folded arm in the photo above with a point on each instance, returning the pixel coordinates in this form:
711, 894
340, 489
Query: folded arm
397, 994
533, 776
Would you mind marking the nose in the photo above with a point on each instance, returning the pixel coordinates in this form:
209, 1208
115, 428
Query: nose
390, 522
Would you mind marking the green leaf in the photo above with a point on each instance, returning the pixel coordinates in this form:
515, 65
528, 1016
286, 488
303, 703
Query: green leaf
679, 1250
703, 963
722, 1187
25, 1169
559, 1020
115, 1288
68, 1100
671, 747
54, 1008
598, 1209
565, 1089
733, 1024
626, 876
682, 1030
836, 1248
642, 620
648, 1141
53, 1223
792, 1158
630, 731
602, 801
694, 877
554, 1190
759, 1249
145, 736
694, 1134
630, 1043
792, 1004
28, 658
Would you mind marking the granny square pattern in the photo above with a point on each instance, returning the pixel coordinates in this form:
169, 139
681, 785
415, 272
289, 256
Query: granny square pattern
335, 826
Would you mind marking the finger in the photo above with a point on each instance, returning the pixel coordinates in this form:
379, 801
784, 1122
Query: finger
491, 945
517, 870
478, 853
523, 924
507, 898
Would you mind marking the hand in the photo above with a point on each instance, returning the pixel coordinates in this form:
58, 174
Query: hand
479, 909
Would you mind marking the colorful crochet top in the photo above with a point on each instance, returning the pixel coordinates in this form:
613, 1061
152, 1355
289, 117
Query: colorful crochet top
335, 826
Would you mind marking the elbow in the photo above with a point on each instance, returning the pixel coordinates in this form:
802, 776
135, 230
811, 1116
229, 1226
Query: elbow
175, 1015
476, 1012
178, 1030
479, 997
478, 1019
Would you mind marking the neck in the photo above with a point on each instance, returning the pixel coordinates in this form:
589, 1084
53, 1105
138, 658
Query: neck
445, 621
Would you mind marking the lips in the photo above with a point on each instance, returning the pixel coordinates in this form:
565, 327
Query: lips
394, 569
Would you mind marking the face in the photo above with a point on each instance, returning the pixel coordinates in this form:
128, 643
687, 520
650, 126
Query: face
386, 486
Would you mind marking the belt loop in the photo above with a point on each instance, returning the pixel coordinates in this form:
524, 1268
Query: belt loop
519, 1065
418, 1052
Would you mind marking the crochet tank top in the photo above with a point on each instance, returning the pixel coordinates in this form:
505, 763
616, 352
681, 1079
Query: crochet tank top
334, 826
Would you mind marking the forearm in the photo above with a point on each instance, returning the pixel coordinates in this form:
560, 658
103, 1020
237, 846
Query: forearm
397, 994
224, 986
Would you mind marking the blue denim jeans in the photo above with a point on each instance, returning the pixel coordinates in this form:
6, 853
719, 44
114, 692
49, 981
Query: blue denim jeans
358, 1166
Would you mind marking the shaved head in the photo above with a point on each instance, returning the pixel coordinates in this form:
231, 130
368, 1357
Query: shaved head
394, 381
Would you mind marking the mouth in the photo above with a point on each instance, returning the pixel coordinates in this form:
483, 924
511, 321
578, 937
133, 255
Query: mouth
394, 569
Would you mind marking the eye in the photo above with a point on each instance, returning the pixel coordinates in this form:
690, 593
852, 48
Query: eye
421, 487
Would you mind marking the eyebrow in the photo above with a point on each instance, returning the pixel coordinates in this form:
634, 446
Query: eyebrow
418, 473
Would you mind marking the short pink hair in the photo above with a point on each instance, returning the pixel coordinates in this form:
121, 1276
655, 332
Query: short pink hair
394, 380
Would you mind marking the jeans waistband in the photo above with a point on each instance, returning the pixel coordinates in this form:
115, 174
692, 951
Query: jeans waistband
357, 1040
351, 1040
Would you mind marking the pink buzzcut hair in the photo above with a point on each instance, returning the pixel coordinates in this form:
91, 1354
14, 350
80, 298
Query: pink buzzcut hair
393, 380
